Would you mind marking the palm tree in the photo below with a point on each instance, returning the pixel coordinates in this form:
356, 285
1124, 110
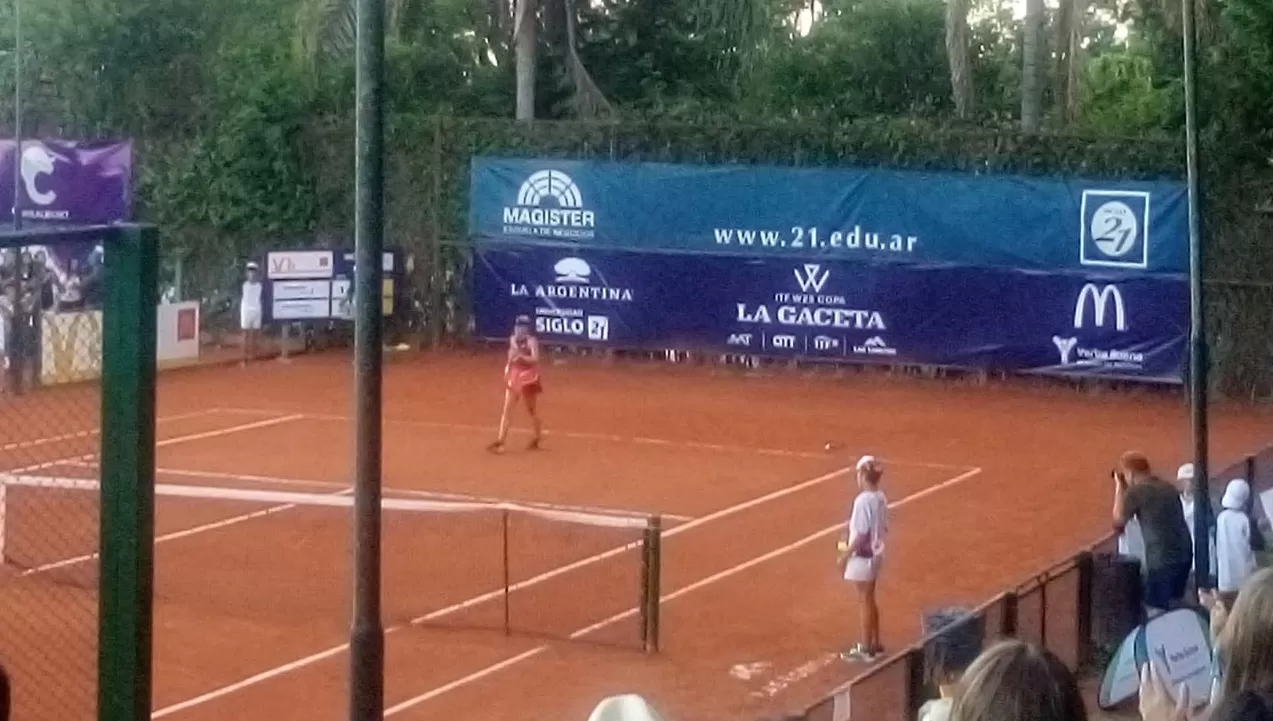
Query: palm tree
1032, 66
526, 52
560, 19
746, 25
326, 30
957, 56
1070, 74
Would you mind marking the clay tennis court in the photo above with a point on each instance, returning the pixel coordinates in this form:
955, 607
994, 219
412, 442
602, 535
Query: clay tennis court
987, 484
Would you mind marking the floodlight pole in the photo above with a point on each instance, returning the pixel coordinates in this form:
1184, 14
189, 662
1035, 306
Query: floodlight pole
1197, 319
17, 114
367, 635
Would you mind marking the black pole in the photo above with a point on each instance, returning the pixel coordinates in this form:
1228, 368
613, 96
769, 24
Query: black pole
367, 636
17, 114
1197, 325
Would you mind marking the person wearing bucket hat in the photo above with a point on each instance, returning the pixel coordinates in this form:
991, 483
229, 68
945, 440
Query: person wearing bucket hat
860, 551
1235, 560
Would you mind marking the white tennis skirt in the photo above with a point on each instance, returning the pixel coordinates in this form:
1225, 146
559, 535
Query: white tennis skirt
862, 569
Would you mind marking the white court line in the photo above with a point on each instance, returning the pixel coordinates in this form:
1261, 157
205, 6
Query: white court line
89, 433
495, 594
614, 438
684, 590
204, 528
412, 492
165, 442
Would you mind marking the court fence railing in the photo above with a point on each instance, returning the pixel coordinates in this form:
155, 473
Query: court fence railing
1055, 608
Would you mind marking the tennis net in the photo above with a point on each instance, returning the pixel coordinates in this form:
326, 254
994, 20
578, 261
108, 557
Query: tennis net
277, 556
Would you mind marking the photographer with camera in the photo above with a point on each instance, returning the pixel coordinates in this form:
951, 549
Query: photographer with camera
1155, 505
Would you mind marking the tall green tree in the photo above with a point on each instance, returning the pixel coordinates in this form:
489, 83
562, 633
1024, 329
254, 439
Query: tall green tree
865, 58
1032, 50
957, 49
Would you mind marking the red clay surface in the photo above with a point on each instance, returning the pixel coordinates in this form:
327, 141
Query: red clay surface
252, 607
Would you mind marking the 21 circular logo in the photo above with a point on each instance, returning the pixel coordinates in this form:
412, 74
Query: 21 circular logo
1114, 229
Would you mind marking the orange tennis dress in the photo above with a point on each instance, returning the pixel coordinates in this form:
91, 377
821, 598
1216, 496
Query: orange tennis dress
522, 377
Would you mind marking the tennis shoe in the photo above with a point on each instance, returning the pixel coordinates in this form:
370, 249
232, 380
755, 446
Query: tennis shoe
856, 654
496, 447
861, 654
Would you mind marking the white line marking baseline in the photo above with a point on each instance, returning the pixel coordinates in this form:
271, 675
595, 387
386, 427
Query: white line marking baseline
495, 594
614, 438
684, 590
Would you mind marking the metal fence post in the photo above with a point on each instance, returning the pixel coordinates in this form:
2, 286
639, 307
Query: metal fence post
128, 472
915, 681
1011, 602
1083, 624
1044, 581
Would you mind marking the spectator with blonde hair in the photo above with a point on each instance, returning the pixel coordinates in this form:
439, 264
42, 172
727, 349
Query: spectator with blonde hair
1244, 649
1243, 690
1015, 681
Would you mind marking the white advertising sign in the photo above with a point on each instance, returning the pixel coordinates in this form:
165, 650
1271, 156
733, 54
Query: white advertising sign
300, 264
301, 289
302, 309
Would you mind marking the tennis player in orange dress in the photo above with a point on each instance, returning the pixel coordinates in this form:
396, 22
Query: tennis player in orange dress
521, 382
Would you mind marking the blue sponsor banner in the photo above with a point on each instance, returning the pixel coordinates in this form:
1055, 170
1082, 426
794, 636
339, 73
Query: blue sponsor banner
834, 214
1090, 324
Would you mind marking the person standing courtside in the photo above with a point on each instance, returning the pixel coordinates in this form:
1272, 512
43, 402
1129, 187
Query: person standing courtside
250, 312
1155, 504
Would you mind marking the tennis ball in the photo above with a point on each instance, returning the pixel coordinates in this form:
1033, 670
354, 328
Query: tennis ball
828, 446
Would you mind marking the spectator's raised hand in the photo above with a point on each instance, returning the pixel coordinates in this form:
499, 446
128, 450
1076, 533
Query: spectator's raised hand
1156, 703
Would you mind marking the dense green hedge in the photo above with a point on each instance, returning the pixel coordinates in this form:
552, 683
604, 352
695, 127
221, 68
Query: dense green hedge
427, 188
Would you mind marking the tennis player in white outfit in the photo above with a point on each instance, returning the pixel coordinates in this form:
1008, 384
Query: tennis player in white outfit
861, 551
250, 312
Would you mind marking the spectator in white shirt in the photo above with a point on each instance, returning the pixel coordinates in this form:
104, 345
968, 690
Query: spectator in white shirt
1235, 560
1184, 482
954, 641
250, 312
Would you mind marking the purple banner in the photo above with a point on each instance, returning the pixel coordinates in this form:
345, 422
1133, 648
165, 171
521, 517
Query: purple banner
67, 182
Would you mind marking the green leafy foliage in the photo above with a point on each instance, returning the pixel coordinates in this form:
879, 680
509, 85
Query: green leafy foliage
866, 58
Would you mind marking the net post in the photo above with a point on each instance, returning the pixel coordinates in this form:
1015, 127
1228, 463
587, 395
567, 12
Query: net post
508, 628
127, 473
656, 582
